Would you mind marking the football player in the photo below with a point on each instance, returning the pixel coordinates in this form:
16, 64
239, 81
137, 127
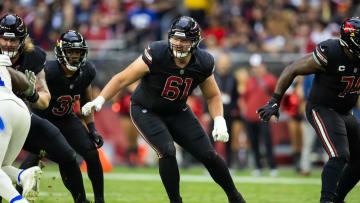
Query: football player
15, 43
69, 79
169, 71
334, 93
14, 128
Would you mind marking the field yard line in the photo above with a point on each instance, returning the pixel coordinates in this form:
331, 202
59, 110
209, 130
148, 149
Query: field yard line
201, 178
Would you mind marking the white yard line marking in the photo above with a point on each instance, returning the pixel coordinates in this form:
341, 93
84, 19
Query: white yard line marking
202, 178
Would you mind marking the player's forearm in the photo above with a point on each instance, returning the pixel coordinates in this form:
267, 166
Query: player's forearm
284, 81
113, 87
215, 106
43, 101
18, 80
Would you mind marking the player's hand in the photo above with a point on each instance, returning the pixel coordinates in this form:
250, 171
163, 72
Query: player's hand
5, 60
220, 130
97, 138
270, 109
31, 78
95, 104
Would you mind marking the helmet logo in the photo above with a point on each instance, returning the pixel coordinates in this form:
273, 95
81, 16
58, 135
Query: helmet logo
9, 34
349, 28
179, 34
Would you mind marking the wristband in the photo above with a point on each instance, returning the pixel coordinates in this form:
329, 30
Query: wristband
33, 98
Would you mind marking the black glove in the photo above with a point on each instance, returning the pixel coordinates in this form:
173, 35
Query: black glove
271, 108
94, 135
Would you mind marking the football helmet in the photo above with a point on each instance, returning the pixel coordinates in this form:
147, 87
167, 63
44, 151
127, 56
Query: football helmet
71, 50
12, 28
184, 28
350, 35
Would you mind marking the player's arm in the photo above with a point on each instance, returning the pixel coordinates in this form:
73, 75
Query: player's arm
42, 90
132, 73
18, 80
303, 66
212, 96
89, 120
87, 98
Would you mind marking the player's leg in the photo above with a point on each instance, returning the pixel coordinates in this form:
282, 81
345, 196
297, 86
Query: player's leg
192, 137
43, 135
79, 139
12, 139
351, 174
155, 133
330, 127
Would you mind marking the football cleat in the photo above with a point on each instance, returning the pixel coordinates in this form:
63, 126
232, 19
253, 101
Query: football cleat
30, 180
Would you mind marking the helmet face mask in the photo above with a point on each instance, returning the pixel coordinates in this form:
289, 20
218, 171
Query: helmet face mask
71, 50
12, 35
184, 37
350, 35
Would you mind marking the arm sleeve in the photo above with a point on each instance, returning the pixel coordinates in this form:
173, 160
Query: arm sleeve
320, 54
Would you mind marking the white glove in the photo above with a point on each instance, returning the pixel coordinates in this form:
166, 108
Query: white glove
31, 78
220, 130
5, 60
95, 104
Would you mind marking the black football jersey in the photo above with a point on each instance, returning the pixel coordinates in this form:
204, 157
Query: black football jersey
65, 91
338, 86
166, 88
33, 60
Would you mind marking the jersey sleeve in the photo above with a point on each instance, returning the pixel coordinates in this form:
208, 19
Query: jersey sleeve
209, 64
92, 71
321, 54
152, 54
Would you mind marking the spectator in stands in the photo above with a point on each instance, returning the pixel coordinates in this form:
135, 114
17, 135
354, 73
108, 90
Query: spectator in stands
259, 88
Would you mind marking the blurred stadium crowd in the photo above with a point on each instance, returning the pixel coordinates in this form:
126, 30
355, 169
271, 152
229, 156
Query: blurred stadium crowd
229, 28
274, 26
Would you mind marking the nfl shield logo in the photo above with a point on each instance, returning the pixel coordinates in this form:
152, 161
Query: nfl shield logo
181, 71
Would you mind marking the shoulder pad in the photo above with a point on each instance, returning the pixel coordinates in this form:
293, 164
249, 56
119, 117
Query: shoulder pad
206, 60
154, 52
35, 60
90, 68
324, 50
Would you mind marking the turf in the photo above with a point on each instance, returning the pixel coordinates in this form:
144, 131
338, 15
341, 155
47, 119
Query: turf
141, 185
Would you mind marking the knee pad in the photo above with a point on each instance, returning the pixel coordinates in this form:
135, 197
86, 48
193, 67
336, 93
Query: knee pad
69, 157
168, 151
336, 162
91, 155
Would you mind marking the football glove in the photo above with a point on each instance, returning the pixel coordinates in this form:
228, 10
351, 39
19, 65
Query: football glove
95, 104
5, 60
31, 78
94, 135
220, 130
270, 109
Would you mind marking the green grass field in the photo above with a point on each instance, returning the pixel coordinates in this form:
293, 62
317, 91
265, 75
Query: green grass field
141, 185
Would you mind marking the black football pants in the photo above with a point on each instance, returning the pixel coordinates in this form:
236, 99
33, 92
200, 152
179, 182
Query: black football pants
340, 137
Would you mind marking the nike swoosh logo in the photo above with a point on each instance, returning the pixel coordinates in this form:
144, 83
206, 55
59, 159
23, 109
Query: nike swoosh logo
273, 105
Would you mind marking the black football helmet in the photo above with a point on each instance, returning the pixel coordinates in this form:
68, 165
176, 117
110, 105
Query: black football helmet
185, 28
12, 27
350, 35
71, 41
